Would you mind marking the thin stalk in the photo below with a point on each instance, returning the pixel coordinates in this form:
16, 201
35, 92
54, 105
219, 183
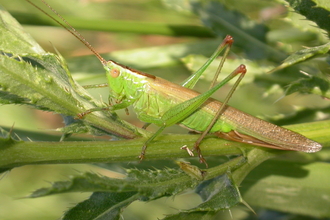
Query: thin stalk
138, 27
19, 153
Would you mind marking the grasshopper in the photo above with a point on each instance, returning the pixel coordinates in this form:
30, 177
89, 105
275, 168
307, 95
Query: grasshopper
164, 103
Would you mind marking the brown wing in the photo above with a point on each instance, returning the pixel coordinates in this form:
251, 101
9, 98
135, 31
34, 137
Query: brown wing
243, 138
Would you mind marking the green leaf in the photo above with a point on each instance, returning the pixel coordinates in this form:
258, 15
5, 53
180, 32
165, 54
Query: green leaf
248, 34
7, 98
303, 55
42, 80
101, 206
218, 193
311, 85
13, 37
155, 184
191, 215
39, 79
149, 184
300, 23
144, 185
289, 187
317, 11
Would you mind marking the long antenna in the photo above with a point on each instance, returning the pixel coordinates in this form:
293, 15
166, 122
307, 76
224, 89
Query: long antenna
69, 28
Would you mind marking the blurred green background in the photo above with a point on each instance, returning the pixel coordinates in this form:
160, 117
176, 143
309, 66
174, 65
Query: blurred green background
250, 98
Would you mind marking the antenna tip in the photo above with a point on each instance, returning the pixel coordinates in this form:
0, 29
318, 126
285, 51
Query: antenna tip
241, 69
229, 40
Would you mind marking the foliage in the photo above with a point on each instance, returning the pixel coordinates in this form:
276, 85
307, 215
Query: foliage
290, 182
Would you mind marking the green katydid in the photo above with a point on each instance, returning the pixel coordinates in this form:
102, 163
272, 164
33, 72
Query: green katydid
164, 103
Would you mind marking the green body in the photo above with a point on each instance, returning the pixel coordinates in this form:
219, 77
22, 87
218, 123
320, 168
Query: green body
152, 97
163, 103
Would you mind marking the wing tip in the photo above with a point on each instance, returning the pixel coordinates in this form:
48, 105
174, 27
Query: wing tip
309, 146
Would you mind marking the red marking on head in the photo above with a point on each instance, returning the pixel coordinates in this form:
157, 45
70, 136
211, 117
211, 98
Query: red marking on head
134, 70
114, 73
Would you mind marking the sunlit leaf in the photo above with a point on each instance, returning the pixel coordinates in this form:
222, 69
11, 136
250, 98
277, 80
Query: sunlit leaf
317, 11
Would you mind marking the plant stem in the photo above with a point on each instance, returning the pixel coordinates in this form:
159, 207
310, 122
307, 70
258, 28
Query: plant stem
19, 153
120, 26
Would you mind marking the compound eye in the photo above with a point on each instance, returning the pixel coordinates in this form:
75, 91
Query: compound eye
114, 73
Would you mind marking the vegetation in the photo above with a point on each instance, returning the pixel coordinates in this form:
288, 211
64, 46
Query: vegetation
265, 33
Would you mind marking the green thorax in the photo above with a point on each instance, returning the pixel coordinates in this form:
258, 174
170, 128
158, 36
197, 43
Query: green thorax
151, 97
125, 84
